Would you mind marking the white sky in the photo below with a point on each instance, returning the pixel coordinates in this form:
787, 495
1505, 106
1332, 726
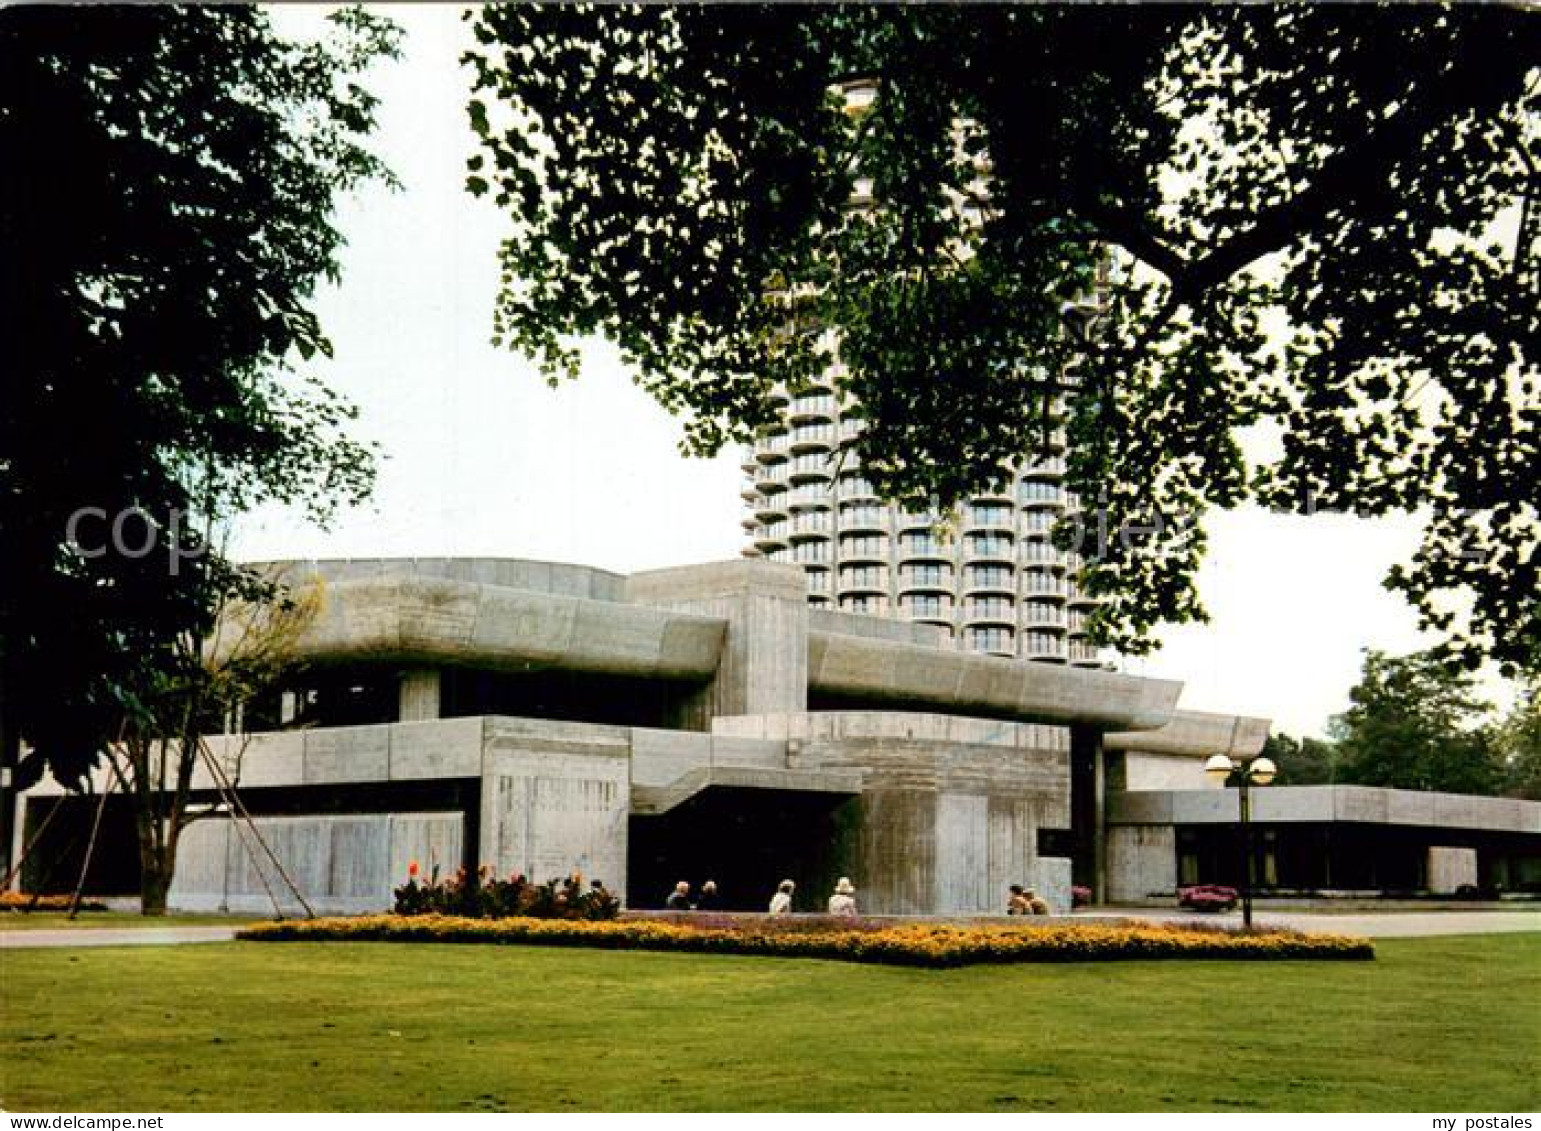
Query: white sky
482, 458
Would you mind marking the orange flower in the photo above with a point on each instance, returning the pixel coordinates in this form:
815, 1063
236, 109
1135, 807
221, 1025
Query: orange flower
412, 869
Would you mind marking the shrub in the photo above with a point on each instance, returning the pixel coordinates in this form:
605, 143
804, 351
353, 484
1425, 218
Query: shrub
928, 945
481, 895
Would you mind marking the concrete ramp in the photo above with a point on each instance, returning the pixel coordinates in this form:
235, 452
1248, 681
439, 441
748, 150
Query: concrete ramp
650, 801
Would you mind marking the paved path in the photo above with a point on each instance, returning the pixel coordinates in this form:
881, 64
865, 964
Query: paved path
1384, 925
1378, 925
114, 936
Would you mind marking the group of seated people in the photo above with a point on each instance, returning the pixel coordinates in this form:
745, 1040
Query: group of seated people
1020, 901
842, 902
1025, 901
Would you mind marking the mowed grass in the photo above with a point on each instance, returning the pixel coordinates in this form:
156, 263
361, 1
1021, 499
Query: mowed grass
1433, 1024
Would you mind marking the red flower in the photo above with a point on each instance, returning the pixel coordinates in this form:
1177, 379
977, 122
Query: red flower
412, 869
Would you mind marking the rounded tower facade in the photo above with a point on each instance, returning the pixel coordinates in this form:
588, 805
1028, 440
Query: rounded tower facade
988, 575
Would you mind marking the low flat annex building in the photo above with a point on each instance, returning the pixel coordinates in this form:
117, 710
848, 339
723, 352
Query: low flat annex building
690, 723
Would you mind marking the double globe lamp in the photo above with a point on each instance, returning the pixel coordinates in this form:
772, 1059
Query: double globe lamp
1222, 768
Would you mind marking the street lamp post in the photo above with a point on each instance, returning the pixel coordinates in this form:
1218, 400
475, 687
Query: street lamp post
1259, 771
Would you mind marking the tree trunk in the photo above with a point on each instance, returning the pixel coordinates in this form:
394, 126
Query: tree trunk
10, 755
154, 885
157, 861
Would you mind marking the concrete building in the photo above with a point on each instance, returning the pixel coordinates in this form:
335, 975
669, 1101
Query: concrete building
1311, 839
692, 723
684, 723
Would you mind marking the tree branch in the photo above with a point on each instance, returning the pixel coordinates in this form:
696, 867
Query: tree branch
1355, 179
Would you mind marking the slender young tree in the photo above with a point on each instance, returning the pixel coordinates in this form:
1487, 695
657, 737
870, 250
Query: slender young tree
196, 687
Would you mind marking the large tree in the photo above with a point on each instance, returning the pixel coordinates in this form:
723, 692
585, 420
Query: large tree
166, 203
1322, 219
1517, 739
1302, 761
1412, 723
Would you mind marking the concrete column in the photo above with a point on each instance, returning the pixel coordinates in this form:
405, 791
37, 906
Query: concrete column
1088, 810
1450, 869
419, 695
764, 667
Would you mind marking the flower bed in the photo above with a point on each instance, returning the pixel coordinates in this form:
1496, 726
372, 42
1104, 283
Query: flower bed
932, 945
482, 895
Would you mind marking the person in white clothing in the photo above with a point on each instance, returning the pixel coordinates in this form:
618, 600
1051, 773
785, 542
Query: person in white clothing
843, 902
781, 902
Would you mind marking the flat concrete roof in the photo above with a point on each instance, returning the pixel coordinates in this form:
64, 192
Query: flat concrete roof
510, 614
1323, 804
418, 619
1197, 734
965, 682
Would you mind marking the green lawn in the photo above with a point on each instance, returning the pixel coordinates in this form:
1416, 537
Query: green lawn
1433, 1024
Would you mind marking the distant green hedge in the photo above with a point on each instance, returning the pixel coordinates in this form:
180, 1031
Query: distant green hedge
931, 945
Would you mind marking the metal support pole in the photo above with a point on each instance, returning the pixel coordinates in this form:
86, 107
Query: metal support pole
1248, 861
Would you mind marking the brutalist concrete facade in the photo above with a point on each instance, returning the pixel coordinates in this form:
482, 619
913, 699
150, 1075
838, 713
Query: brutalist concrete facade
1321, 838
683, 723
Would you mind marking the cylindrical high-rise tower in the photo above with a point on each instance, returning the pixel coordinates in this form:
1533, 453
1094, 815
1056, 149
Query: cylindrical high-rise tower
991, 578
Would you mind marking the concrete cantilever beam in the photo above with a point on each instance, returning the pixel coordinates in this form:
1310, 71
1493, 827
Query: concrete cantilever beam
432, 620
1199, 734
961, 681
652, 800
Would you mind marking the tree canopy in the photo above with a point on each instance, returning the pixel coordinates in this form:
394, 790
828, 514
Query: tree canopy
165, 205
1302, 761
1412, 723
1316, 224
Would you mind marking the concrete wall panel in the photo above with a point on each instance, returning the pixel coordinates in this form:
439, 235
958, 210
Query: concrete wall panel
1451, 869
896, 857
1142, 860
960, 681
556, 799
202, 860
1013, 838
1163, 771
1054, 883
342, 754
763, 664
418, 695
433, 840
444, 748
963, 854
341, 864
1205, 806
661, 757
